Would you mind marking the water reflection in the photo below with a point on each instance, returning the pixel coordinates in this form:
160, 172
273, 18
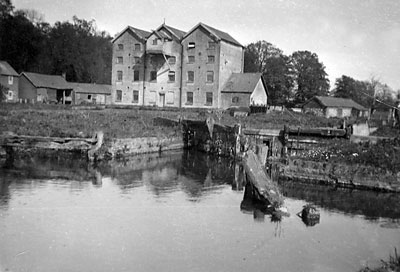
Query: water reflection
194, 173
370, 204
177, 211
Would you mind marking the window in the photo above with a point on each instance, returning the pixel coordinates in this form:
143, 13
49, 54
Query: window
210, 76
136, 75
209, 98
155, 42
189, 98
235, 99
135, 97
191, 59
171, 76
119, 96
211, 45
153, 75
210, 59
120, 46
190, 76
172, 60
120, 60
137, 60
10, 95
137, 46
119, 75
89, 97
191, 45
10, 80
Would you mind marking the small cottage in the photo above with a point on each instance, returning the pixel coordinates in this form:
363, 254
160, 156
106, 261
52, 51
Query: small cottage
244, 90
9, 80
35, 87
91, 93
328, 106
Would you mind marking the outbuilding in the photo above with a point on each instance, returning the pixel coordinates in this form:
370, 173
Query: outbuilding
244, 90
91, 93
35, 87
329, 106
9, 80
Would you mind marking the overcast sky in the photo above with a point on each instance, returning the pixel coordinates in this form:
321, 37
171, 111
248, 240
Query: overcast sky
357, 38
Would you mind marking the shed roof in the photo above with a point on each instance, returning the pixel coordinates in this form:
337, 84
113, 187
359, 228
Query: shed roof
242, 83
47, 81
220, 35
337, 102
6, 69
143, 34
91, 88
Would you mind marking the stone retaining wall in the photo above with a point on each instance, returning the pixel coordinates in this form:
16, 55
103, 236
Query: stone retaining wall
340, 174
116, 148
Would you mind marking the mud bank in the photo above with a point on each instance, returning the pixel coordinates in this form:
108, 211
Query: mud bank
341, 174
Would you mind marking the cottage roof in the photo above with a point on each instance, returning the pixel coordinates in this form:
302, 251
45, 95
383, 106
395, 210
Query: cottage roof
242, 83
47, 81
6, 69
337, 102
218, 34
91, 88
142, 34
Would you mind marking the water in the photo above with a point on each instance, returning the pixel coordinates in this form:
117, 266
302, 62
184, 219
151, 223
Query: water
179, 212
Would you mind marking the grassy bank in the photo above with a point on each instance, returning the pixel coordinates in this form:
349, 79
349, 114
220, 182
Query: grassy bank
125, 122
393, 265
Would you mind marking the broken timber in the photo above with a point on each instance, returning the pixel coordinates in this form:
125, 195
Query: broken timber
266, 190
11, 142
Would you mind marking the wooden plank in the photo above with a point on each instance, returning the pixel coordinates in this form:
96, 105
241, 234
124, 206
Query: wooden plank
266, 188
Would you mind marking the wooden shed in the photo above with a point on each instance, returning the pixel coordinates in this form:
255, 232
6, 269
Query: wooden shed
35, 87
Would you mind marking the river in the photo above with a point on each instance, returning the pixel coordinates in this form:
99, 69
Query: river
180, 211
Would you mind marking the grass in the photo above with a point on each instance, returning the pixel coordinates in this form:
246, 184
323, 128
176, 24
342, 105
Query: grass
393, 265
126, 122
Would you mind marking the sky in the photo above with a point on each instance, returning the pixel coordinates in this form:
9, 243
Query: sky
356, 38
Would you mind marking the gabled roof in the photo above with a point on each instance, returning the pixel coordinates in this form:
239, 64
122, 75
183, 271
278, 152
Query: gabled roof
178, 34
218, 34
6, 69
91, 88
242, 83
142, 34
47, 81
337, 102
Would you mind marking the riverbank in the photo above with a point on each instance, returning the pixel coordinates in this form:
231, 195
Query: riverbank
392, 265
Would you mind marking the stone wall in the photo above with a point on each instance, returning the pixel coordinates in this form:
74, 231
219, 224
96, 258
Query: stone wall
116, 148
341, 174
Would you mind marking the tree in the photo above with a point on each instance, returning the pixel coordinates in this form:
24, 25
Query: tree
359, 91
269, 60
6, 8
309, 75
81, 52
256, 56
21, 42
